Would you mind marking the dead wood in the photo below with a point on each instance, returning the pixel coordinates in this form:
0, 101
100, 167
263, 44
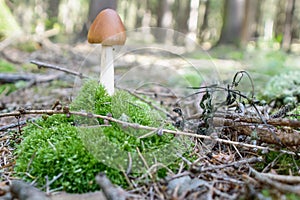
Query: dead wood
32, 78
219, 123
25, 191
110, 191
40, 38
12, 78
58, 68
252, 119
222, 166
284, 188
86, 196
286, 135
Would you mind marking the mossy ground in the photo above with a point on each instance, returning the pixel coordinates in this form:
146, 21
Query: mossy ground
54, 145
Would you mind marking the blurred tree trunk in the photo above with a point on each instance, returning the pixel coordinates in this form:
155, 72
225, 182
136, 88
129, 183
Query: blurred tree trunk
287, 34
193, 18
164, 19
267, 20
233, 22
249, 22
201, 35
182, 10
205, 17
280, 20
129, 17
53, 6
95, 7
141, 7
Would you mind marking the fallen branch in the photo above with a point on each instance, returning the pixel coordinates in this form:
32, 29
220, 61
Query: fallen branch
12, 78
38, 37
32, 78
287, 136
237, 163
284, 188
55, 67
14, 125
252, 119
272, 121
283, 178
66, 111
110, 191
24, 191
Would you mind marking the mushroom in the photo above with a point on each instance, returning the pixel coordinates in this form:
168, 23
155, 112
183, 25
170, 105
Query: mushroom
108, 30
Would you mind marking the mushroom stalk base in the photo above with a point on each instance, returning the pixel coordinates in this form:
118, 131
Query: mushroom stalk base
107, 69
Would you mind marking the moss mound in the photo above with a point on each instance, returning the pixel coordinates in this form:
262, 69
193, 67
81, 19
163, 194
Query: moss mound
77, 150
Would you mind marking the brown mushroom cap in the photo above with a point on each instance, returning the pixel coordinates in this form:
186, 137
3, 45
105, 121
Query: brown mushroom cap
107, 29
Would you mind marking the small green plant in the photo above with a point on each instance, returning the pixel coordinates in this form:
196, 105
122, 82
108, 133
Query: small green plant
53, 145
6, 66
284, 88
29, 46
7, 88
284, 163
55, 149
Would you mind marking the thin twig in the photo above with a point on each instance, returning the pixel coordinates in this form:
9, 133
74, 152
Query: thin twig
283, 178
240, 162
14, 125
55, 67
138, 126
265, 179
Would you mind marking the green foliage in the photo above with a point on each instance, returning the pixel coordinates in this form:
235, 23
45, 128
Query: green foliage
8, 25
190, 77
285, 88
284, 163
7, 88
193, 79
296, 112
29, 46
118, 140
53, 145
227, 52
6, 66
268, 62
56, 148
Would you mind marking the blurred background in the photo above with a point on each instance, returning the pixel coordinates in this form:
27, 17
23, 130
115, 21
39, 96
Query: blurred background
242, 23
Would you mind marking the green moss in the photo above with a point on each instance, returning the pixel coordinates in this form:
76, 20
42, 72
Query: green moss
284, 163
7, 88
284, 88
55, 145
29, 46
28, 67
56, 148
6, 66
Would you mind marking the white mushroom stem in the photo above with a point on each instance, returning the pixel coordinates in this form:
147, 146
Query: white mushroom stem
107, 69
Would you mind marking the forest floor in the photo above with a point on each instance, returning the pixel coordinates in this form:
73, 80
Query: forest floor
227, 163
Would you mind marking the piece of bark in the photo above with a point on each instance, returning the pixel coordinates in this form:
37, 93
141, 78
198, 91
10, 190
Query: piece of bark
12, 78
36, 78
110, 191
286, 135
86, 196
24, 191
